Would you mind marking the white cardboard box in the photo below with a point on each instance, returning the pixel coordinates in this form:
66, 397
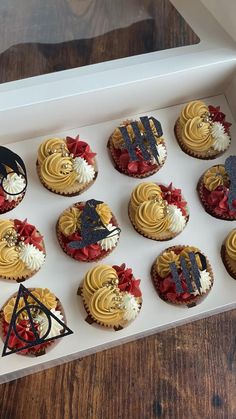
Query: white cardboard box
92, 101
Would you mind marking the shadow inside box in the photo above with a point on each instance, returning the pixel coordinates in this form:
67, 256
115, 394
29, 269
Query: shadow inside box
32, 59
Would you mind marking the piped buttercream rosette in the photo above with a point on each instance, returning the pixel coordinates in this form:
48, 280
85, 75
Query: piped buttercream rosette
111, 295
202, 131
66, 166
22, 250
158, 212
88, 231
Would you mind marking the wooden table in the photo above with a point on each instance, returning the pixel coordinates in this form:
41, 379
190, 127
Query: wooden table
187, 372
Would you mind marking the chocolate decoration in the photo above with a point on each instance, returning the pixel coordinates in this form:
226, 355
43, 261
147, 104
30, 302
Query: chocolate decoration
11, 160
230, 167
190, 274
25, 293
142, 140
92, 228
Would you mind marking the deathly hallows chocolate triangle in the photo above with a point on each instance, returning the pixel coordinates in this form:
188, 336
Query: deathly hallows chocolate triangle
25, 293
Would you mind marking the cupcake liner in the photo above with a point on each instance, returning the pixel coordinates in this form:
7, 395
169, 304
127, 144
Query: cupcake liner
79, 188
211, 154
45, 346
125, 172
196, 299
230, 265
104, 253
207, 207
162, 237
8, 206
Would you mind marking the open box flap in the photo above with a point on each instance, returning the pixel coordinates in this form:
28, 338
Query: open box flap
225, 13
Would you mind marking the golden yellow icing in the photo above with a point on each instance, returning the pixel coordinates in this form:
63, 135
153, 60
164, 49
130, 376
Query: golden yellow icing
6, 226
45, 296
9, 307
57, 172
69, 221
104, 213
191, 110
192, 249
196, 135
163, 263
151, 217
97, 278
146, 191
230, 245
117, 139
50, 146
103, 307
10, 264
214, 177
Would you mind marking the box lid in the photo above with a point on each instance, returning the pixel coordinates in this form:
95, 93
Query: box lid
224, 13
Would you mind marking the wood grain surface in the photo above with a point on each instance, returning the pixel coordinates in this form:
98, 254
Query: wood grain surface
185, 373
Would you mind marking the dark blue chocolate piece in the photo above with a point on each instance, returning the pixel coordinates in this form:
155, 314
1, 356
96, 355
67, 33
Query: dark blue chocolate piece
176, 278
190, 274
195, 270
146, 142
187, 274
92, 228
25, 293
230, 167
14, 162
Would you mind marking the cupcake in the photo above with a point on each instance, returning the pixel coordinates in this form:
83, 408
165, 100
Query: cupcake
111, 296
202, 131
88, 231
66, 166
138, 147
22, 250
228, 253
13, 180
182, 275
158, 212
31, 335
216, 190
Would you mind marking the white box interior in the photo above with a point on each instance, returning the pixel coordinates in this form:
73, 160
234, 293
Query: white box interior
91, 103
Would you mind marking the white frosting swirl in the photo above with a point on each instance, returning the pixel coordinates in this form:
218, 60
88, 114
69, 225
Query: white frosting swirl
13, 184
205, 280
161, 152
109, 242
56, 327
85, 172
32, 257
221, 139
176, 219
130, 306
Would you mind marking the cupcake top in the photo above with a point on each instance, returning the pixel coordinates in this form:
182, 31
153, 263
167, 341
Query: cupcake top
218, 189
22, 251
33, 333
230, 245
66, 166
157, 211
204, 129
13, 179
88, 230
181, 274
138, 147
111, 295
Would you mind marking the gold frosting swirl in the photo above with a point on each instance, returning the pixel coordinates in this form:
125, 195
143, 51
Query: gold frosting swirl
163, 263
45, 296
146, 191
118, 140
97, 278
69, 221
57, 172
191, 110
10, 264
103, 307
196, 134
194, 250
9, 307
230, 244
49, 146
151, 217
104, 213
214, 177
5, 227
